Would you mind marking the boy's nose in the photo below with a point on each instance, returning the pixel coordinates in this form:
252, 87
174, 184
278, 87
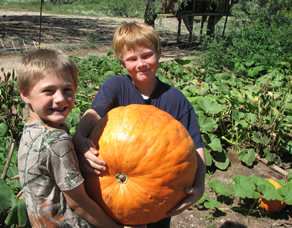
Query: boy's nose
141, 62
59, 97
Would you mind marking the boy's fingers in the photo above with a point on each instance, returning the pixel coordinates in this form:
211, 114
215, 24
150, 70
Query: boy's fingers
94, 151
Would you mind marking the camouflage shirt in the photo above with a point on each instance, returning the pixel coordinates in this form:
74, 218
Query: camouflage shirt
48, 165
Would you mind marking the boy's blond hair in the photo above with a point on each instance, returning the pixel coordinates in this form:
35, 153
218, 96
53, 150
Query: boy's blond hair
38, 64
133, 35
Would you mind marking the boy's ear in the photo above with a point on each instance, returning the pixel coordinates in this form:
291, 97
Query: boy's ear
159, 54
24, 96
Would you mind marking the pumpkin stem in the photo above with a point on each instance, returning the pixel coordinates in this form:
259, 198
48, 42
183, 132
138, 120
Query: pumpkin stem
121, 178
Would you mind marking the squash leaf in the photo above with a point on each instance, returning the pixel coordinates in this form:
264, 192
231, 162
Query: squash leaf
213, 142
7, 196
286, 192
269, 192
211, 204
203, 198
247, 156
258, 138
207, 124
221, 160
3, 129
17, 214
244, 187
208, 156
210, 106
220, 188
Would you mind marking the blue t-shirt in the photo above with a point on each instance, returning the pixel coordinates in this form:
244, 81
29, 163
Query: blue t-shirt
119, 90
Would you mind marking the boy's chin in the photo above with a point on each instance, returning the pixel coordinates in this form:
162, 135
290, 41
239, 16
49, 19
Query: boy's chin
55, 122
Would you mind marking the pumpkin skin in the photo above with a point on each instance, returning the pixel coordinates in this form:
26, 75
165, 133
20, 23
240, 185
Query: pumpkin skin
150, 159
272, 205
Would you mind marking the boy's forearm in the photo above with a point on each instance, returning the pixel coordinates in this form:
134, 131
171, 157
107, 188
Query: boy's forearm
87, 123
86, 208
201, 168
99, 219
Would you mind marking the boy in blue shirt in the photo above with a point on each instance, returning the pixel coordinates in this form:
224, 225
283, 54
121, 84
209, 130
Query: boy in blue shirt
137, 46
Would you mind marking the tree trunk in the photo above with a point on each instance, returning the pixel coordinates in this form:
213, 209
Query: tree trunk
150, 14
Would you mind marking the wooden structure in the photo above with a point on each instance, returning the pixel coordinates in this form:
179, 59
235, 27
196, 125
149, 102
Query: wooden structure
203, 8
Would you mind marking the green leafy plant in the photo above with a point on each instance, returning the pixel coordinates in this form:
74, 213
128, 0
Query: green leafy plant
251, 187
11, 106
11, 198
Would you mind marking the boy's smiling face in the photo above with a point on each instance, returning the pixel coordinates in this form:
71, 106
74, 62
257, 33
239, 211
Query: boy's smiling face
51, 99
141, 63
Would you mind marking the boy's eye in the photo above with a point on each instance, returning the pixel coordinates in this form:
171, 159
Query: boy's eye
48, 91
68, 89
131, 59
147, 55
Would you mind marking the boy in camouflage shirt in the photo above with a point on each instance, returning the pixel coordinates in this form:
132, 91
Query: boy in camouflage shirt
48, 166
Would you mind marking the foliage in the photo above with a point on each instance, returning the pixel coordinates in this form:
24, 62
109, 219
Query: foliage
11, 116
248, 46
265, 11
251, 187
93, 71
12, 199
125, 8
11, 106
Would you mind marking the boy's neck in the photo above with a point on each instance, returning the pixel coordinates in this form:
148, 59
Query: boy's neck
146, 89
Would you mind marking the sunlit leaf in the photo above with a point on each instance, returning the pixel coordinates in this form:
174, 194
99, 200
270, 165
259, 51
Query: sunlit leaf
269, 191
286, 192
247, 156
182, 61
238, 96
213, 142
203, 198
208, 157
7, 196
3, 129
220, 188
207, 124
210, 106
259, 138
244, 187
211, 204
221, 160
17, 214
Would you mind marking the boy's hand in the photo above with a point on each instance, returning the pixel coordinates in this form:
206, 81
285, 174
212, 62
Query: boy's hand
88, 157
194, 194
84, 147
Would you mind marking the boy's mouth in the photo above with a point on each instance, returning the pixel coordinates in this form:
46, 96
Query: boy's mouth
58, 109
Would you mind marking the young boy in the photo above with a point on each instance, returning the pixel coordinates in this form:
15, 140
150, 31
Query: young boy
48, 167
137, 46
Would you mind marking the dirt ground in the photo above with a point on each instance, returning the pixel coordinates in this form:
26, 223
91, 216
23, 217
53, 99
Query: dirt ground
84, 36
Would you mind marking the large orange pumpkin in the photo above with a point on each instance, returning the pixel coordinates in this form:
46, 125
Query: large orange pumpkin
150, 160
272, 205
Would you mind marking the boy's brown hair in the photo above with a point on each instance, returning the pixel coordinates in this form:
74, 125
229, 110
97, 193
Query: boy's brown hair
37, 64
133, 35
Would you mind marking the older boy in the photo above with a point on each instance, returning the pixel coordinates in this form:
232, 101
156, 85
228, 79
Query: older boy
48, 167
137, 46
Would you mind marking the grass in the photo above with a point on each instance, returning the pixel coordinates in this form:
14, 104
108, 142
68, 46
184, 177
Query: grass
84, 8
